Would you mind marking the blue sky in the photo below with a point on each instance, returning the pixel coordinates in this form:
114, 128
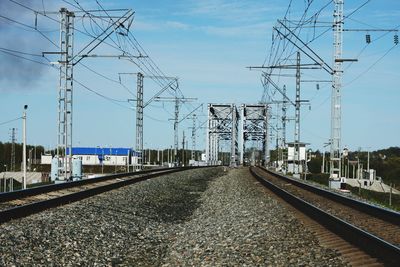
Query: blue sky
207, 45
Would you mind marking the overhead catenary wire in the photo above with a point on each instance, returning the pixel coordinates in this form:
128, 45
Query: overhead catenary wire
280, 53
146, 64
9, 121
31, 27
155, 72
370, 67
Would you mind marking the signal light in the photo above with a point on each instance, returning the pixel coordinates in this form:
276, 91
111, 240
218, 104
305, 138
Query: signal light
368, 38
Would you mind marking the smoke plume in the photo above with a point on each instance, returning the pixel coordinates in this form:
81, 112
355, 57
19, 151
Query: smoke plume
16, 71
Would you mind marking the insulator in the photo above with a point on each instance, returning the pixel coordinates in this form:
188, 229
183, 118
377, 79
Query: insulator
368, 38
396, 39
317, 86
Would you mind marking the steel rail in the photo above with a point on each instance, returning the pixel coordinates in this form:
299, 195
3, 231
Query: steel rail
8, 196
35, 207
378, 212
374, 246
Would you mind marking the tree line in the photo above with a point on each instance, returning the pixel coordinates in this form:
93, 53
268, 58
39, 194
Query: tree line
386, 162
32, 153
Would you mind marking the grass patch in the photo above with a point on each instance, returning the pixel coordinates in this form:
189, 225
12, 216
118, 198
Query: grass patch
18, 186
376, 197
379, 198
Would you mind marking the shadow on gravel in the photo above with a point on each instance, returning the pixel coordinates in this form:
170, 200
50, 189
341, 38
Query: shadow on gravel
180, 196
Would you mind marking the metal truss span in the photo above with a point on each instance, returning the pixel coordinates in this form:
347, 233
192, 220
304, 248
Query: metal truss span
226, 125
223, 126
255, 128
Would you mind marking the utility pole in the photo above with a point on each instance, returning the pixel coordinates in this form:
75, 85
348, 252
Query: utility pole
284, 112
64, 145
24, 144
13, 140
335, 162
183, 148
297, 118
234, 137
177, 100
267, 155
140, 105
176, 119
66, 61
284, 119
139, 119
194, 137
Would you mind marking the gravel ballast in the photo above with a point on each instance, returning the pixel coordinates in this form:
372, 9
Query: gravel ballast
199, 217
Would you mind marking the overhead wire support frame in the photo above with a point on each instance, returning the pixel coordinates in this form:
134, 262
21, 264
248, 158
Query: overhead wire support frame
321, 62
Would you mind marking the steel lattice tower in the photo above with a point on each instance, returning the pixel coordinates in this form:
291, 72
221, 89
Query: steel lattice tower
335, 168
13, 140
64, 147
284, 119
176, 136
139, 118
297, 117
194, 137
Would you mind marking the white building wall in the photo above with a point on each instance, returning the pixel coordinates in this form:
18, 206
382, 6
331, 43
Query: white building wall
89, 159
290, 153
302, 153
109, 160
46, 159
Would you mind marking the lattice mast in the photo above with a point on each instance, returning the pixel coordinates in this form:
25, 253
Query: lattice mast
234, 136
284, 119
65, 94
297, 117
193, 136
13, 140
176, 133
335, 157
266, 137
139, 119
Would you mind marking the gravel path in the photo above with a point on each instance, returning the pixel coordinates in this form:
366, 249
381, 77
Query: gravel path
203, 217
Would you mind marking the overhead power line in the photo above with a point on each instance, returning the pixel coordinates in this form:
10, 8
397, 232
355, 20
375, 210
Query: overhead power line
7, 122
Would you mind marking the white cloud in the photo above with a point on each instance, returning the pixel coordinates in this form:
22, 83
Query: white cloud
177, 25
254, 30
232, 11
145, 25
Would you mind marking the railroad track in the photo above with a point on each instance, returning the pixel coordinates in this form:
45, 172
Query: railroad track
22, 203
374, 230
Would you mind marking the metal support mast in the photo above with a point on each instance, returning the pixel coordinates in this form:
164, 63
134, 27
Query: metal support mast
183, 148
266, 137
284, 114
24, 145
194, 137
235, 141
139, 119
13, 140
176, 133
64, 146
212, 138
284, 119
297, 118
335, 161
177, 100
